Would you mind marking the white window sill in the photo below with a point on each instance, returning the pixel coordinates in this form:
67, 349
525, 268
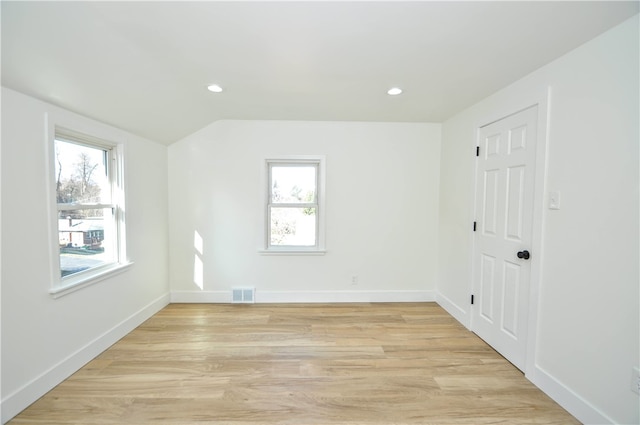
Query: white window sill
292, 252
82, 280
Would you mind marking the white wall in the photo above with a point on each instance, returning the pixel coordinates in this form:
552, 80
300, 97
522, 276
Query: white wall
387, 187
45, 339
381, 211
0, 277
588, 314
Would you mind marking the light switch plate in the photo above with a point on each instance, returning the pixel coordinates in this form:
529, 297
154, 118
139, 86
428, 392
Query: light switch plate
554, 200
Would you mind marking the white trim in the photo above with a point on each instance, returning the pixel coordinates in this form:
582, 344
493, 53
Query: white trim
289, 251
579, 407
337, 296
320, 162
207, 297
72, 207
71, 136
584, 411
20, 399
53, 235
118, 198
538, 225
458, 313
83, 279
539, 96
1, 273
573, 403
95, 137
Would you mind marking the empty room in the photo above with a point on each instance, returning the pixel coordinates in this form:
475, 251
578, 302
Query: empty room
320, 213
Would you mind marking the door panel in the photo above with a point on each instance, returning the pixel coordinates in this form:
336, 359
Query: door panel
492, 145
504, 200
490, 204
517, 139
510, 299
487, 285
515, 202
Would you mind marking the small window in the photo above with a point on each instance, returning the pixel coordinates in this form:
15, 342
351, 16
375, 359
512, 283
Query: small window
294, 205
89, 213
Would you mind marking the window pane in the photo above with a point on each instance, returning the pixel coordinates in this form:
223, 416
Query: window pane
293, 226
86, 239
81, 174
293, 185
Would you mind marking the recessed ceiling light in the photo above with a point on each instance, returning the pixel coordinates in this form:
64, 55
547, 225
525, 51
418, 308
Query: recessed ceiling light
215, 88
394, 91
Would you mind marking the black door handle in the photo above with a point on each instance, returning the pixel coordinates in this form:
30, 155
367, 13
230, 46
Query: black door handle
524, 255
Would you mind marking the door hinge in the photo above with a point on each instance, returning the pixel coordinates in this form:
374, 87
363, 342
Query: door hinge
477, 150
475, 225
472, 299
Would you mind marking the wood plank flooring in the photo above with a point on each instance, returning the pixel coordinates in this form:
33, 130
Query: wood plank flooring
356, 364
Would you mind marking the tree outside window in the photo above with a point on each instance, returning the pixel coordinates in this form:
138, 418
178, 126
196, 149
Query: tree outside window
293, 204
87, 233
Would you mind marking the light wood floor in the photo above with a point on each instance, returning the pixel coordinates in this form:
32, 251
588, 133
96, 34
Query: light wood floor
357, 364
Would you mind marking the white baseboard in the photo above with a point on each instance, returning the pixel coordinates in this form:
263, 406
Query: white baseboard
206, 297
14, 403
561, 394
307, 296
584, 411
453, 309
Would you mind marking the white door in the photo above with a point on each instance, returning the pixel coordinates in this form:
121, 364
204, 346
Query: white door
504, 213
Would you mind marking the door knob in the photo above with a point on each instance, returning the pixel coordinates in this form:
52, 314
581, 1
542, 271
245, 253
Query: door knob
524, 255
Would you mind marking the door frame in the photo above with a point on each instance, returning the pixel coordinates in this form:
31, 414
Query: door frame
540, 97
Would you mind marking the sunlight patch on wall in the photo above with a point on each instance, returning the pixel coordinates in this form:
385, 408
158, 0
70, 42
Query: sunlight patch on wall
198, 265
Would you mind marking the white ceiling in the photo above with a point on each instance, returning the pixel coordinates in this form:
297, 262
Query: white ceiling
145, 66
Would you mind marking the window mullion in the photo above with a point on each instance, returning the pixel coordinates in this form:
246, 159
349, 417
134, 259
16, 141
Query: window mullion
74, 207
293, 205
90, 222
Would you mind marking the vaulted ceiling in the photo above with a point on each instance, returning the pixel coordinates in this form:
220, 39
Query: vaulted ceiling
145, 66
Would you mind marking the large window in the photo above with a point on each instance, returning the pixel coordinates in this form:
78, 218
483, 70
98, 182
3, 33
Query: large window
89, 213
294, 205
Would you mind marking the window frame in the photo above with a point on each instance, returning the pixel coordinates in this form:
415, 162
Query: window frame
317, 161
115, 174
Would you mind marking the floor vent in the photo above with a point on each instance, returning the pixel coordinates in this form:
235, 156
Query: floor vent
243, 295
